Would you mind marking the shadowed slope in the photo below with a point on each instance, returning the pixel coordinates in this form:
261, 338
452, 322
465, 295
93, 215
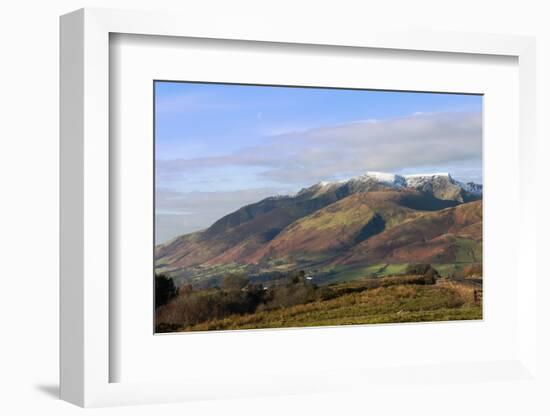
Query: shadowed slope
439, 237
338, 227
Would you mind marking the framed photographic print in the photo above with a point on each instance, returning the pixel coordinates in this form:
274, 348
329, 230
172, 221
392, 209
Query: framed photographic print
263, 211
267, 215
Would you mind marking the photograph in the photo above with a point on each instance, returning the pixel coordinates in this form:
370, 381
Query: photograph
298, 206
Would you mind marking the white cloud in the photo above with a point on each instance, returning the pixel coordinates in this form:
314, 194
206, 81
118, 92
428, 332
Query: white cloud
423, 142
408, 143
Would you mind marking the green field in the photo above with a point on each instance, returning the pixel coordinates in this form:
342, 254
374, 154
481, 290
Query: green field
336, 274
211, 276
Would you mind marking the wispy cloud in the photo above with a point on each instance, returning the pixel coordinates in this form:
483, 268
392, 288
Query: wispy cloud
411, 143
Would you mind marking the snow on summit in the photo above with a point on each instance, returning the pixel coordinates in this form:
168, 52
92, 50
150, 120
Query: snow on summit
416, 180
420, 181
428, 175
387, 178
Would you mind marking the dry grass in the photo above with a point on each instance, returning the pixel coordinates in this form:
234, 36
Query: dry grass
400, 303
464, 290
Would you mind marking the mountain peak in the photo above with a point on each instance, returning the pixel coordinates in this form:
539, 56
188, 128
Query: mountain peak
429, 175
385, 178
441, 184
420, 179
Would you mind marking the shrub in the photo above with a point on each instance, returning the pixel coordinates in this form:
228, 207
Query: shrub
193, 307
473, 271
296, 291
415, 279
234, 281
422, 269
296, 277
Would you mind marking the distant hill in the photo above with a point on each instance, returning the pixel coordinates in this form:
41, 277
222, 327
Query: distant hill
331, 228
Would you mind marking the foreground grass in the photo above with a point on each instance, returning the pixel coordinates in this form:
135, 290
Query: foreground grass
400, 303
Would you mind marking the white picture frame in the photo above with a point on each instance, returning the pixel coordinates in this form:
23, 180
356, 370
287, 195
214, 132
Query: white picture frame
86, 356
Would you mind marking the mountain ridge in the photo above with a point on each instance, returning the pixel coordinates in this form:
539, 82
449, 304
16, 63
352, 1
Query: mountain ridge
424, 182
353, 221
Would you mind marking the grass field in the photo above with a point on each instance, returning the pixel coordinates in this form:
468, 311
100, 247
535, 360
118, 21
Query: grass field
212, 275
345, 273
366, 301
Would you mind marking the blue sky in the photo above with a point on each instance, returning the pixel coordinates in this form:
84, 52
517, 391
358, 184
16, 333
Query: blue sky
233, 144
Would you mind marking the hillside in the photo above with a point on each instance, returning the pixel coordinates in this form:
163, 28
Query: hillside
336, 230
300, 304
445, 236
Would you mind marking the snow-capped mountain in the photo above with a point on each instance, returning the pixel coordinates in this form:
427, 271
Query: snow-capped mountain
441, 185
389, 179
422, 181
374, 218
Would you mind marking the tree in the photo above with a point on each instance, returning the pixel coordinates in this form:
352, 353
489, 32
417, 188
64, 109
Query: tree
295, 277
234, 281
422, 269
165, 289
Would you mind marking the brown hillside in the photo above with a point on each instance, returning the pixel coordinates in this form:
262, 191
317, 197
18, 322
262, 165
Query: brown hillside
340, 226
431, 237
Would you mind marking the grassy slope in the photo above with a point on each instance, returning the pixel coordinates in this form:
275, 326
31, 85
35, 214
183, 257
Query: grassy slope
402, 303
324, 242
433, 237
334, 228
240, 233
348, 273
